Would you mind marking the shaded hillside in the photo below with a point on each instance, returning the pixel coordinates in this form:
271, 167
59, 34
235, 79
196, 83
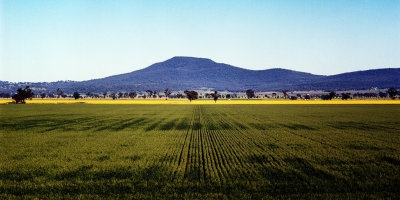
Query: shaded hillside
180, 73
380, 78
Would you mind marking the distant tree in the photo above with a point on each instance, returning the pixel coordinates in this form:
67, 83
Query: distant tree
215, 96
307, 96
155, 94
132, 94
43, 95
371, 95
59, 92
179, 95
76, 95
329, 96
332, 95
113, 96
228, 96
191, 95
346, 96
383, 94
120, 95
285, 93
392, 92
293, 97
23, 94
326, 97
167, 92
104, 94
250, 94
149, 93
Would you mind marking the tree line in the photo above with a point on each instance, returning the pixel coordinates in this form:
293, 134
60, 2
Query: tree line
26, 93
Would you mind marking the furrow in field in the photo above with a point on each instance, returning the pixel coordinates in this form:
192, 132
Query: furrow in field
181, 165
188, 158
193, 170
288, 149
231, 156
335, 142
203, 161
227, 152
175, 149
214, 153
214, 169
248, 150
237, 153
265, 134
181, 138
218, 149
170, 158
226, 145
219, 156
199, 156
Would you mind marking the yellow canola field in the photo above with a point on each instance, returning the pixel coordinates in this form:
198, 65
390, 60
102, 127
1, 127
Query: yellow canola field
202, 102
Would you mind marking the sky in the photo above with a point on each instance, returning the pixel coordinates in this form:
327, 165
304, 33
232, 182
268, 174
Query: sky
51, 40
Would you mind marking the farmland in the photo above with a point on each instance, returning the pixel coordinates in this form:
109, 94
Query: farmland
204, 101
81, 151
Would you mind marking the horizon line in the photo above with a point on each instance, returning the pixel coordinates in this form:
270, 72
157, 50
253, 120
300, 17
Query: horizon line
192, 57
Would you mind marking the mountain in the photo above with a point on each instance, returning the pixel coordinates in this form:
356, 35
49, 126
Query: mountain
360, 80
180, 73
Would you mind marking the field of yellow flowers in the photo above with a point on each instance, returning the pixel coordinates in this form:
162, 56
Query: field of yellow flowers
203, 102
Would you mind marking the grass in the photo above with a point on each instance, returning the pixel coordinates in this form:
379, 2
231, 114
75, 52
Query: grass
81, 151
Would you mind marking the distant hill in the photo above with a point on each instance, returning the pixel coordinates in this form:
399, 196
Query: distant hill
360, 80
180, 73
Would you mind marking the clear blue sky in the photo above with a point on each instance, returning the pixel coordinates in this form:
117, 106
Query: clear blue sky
49, 40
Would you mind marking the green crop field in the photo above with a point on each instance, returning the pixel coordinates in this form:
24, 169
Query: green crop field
199, 151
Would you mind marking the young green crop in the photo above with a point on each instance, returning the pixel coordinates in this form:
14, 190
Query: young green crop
199, 151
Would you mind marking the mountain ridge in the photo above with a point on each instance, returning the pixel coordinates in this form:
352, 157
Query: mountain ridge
180, 73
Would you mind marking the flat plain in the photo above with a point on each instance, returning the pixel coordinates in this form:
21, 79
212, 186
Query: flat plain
368, 101
81, 151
